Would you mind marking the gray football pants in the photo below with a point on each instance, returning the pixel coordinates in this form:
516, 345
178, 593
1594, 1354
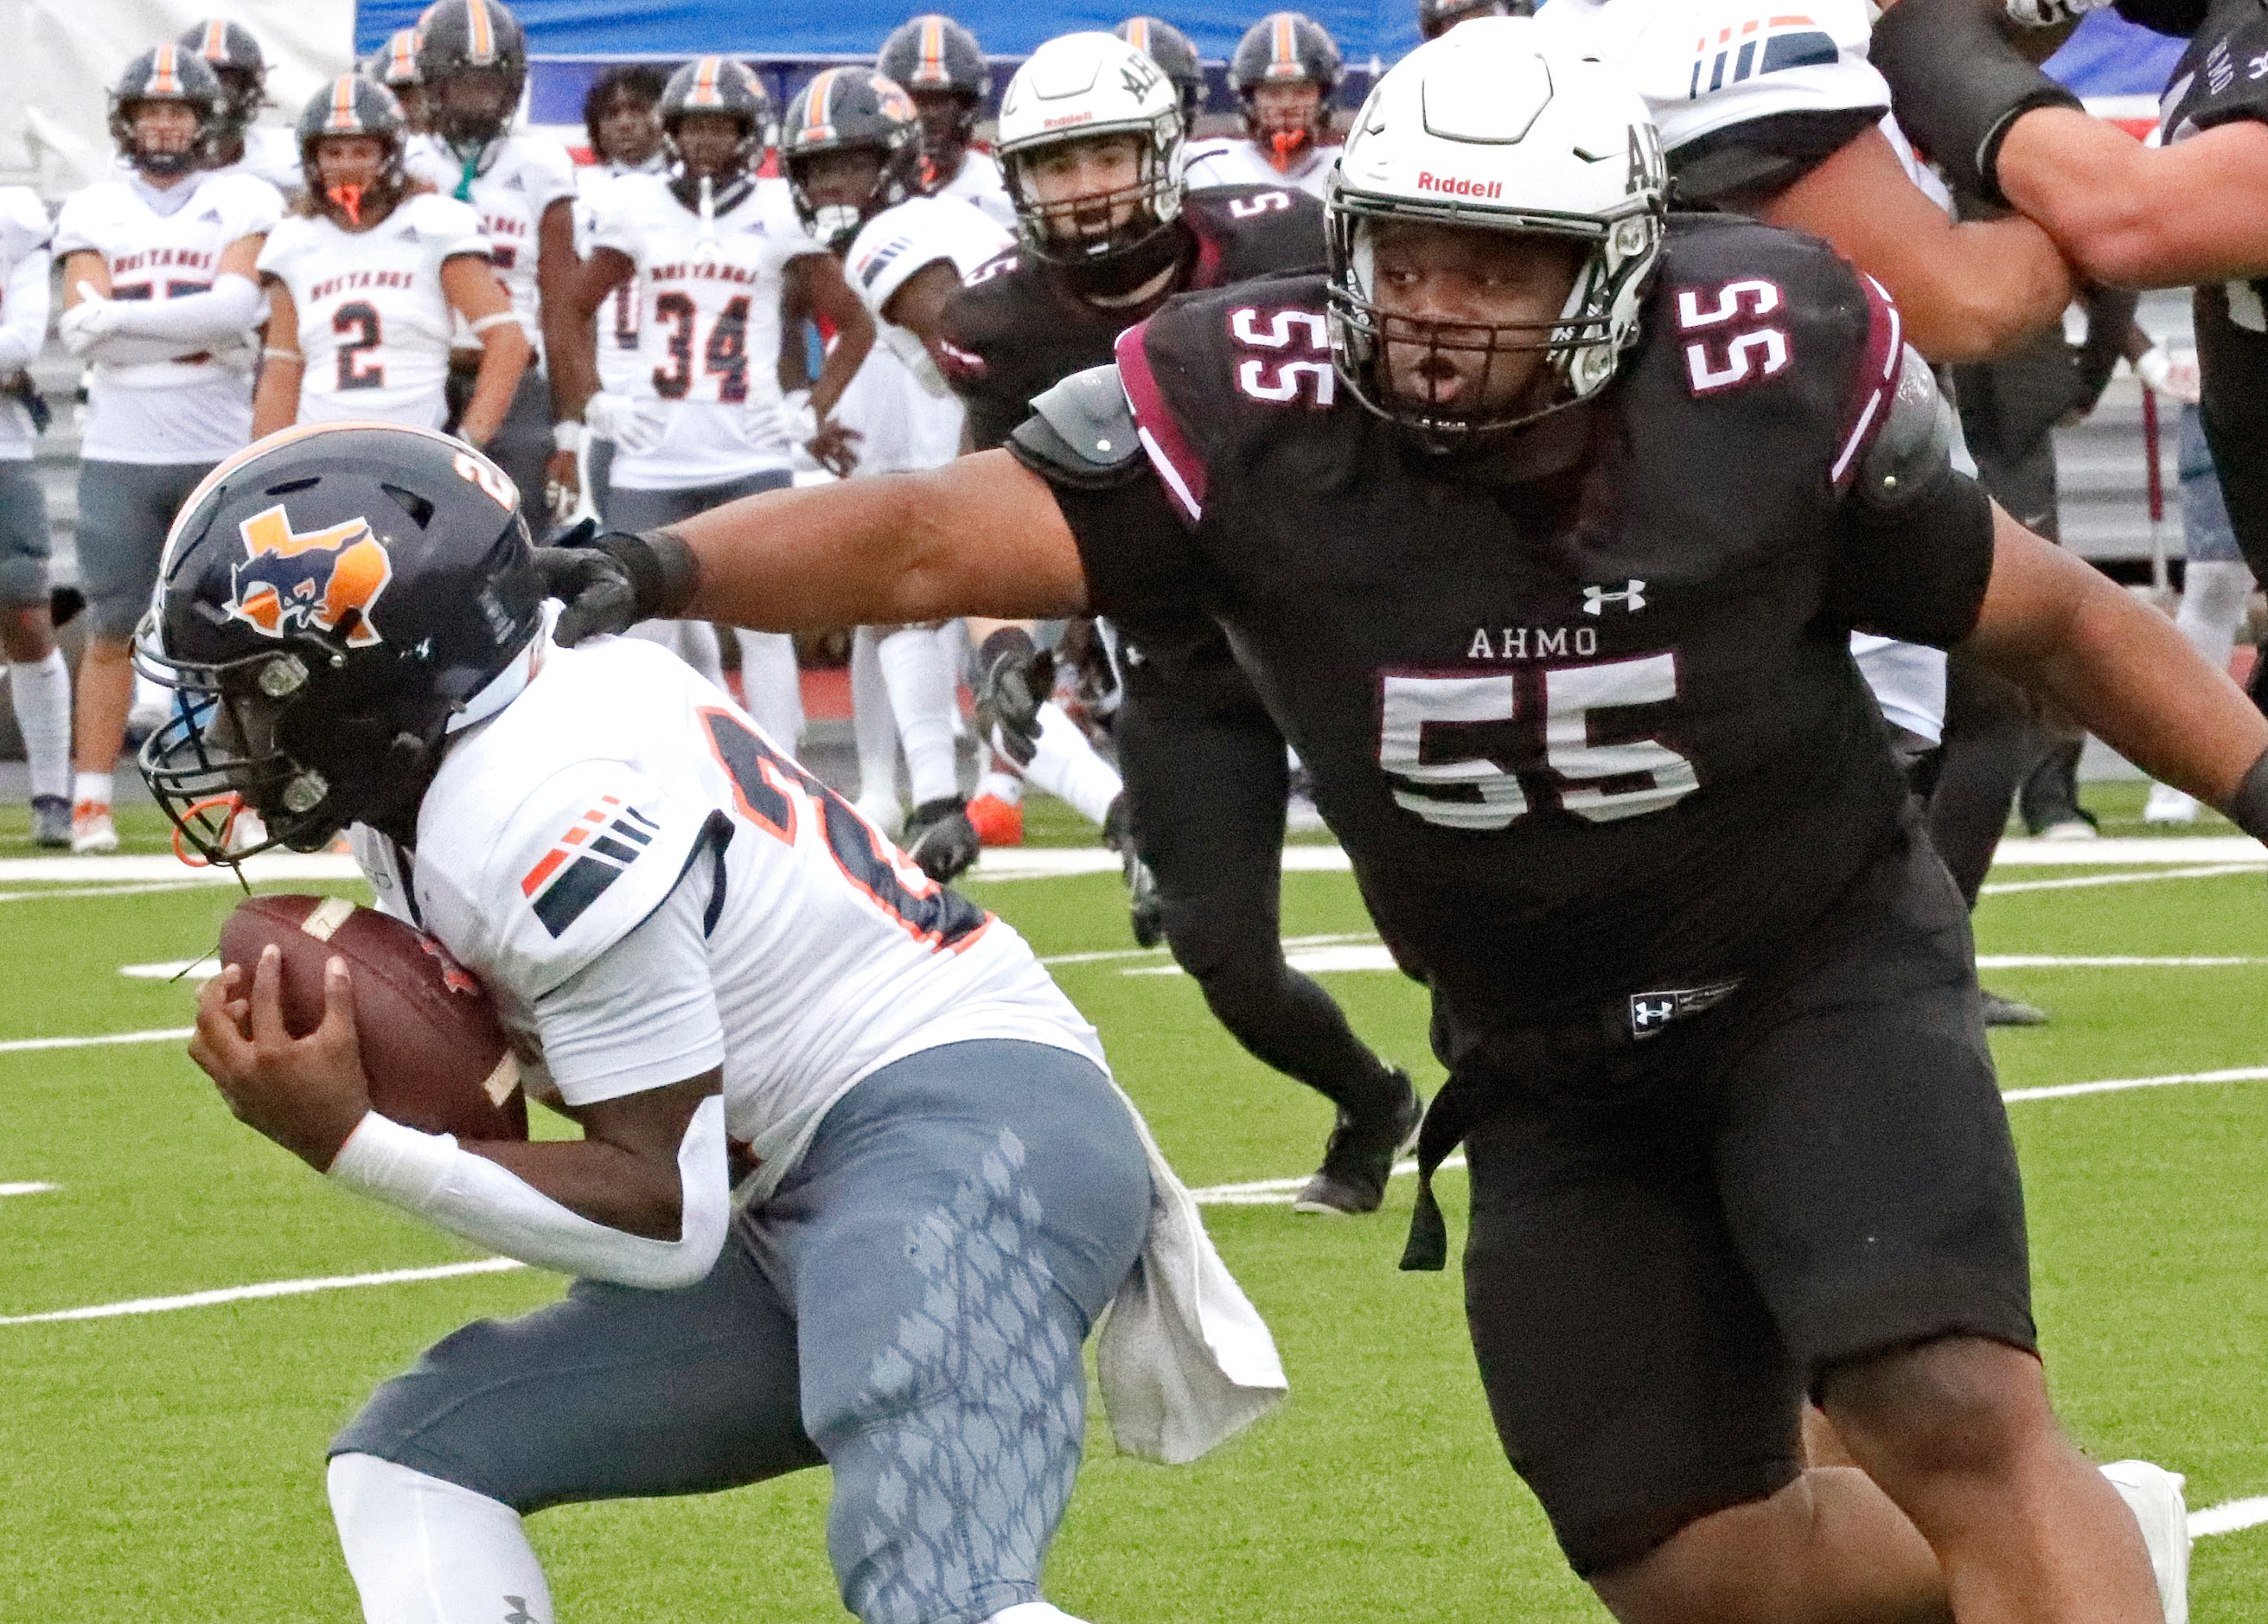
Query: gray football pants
907, 1308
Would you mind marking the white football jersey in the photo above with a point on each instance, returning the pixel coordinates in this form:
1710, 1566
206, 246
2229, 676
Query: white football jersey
902, 428
521, 177
166, 245
978, 180
25, 301
618, 318
272, 155
1234, 160
710, 328
552, 831
908, 237
374, 322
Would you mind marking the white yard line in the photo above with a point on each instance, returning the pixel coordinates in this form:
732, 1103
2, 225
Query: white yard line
2080, 881
266, 1288
100, 891
170, 1034
27, 1189
269, 867
2230, 1517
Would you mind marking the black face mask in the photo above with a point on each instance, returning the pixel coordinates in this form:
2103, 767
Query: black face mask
1113, 275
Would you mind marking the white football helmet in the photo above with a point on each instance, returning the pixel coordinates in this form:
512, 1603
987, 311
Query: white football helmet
1499, 127
1074, 88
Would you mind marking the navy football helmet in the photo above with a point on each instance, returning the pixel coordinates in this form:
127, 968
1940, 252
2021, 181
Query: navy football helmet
331, 601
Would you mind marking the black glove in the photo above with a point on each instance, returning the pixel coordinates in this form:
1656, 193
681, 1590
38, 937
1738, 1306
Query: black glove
1013, 680
610, 580
1958, 85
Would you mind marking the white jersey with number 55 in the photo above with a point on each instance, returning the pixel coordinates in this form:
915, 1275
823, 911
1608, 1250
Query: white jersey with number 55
618, 776
374, 322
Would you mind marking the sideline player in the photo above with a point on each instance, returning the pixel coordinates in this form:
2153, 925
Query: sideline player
850, 146
2190, 212
1171, 49
394, 65
39, 681
938, 63
368, 276
944, 1188
242, 144
707, 248
473, 58
1593, 738
621, 118
160, 298
1284, 72
1107, 233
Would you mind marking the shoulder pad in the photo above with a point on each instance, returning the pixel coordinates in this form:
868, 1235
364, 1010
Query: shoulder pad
1912, 453
1081, 432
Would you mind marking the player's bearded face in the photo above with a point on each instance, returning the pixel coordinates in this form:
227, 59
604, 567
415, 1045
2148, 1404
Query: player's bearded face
709, 142
1465, 313
349, 166
1086, 189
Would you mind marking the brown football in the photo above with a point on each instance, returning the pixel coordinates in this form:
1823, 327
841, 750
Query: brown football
431, 1044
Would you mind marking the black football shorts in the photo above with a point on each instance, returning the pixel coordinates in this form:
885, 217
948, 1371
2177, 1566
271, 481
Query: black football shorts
1672, 1241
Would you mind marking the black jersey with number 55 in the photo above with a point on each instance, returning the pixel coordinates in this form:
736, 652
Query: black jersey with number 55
1591, 735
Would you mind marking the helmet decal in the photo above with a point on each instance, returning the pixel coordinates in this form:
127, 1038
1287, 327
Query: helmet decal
164, 79
343, 119
818, 125
481, 33
895, 101
932, 70
1137, 34
216, 45
321, 581
1283, 47
401, 58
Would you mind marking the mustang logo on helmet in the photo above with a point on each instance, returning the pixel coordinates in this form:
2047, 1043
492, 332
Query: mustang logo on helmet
319, 580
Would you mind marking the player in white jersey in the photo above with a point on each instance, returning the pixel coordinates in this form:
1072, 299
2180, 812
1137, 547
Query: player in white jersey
710, 249
851, 145
160, 298
621, 118
473, 58
1284, 72
39, 683
938, 63
242, 146
368, 279
709, 962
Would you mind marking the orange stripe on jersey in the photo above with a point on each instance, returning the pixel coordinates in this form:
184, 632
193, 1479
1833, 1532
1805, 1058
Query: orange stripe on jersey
532, 881
1791, 22
481, 33
216, 40
343, 105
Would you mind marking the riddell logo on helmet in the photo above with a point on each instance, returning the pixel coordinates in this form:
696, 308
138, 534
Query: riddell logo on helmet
1455, 186
313, 581
1068, 118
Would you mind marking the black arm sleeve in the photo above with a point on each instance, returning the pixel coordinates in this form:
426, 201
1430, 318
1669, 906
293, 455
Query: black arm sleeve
1137, 556
1918, 572
1742, 167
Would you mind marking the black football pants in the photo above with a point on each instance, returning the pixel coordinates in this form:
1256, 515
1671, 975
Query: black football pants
1207, 779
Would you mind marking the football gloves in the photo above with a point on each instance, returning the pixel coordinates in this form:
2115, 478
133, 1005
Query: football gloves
607, 582
2051, 13
1013, 680
635, 426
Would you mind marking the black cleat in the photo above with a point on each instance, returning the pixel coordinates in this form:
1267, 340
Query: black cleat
940, 839
1358, 1157
1146, 910
2000, 1011
51, 822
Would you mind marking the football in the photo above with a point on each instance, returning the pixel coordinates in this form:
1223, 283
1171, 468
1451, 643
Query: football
432, 1047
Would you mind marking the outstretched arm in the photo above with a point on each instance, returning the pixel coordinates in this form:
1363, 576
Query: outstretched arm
982, 535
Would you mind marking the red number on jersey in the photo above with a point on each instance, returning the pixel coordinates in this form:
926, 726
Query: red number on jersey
363, 317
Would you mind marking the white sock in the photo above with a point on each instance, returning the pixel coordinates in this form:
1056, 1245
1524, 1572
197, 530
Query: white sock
1067, 767
872, 723
1002, 785
1032, 1612
923, 700
773, 685
93, 786
2214, 594
953, 642
426, 1551
40, 692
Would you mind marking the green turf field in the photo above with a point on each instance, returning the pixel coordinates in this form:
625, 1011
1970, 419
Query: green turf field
167, 1467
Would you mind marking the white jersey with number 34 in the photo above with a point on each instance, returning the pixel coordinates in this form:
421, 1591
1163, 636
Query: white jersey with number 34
374, 322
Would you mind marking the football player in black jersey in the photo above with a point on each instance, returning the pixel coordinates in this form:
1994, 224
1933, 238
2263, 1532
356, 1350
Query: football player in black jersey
1106, 235
1540, 522
2193, 212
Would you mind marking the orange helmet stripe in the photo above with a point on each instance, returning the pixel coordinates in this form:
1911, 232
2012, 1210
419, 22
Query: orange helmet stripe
343, 105
932, 70
404, 60
816, 125
216, 40
1285, 48
1138, 34
164, 79
480, 30
705, 92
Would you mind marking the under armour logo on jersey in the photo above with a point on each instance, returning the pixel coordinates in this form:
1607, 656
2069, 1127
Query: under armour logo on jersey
1632, 597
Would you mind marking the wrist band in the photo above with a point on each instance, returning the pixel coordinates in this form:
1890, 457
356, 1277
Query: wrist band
497, 320
292, 356
567, 435
2247, 807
